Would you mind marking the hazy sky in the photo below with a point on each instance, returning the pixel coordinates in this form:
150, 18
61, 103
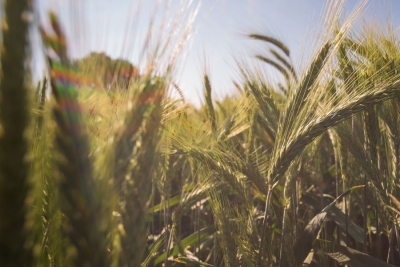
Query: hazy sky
220, 29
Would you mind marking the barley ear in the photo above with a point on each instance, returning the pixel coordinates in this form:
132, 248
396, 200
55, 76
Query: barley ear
138, 142
79, 203
210, 106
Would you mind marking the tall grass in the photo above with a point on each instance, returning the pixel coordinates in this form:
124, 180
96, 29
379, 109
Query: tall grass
303, 173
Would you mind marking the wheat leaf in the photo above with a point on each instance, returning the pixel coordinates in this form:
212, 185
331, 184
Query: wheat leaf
305, 242
188, 241
273, 41
351, 257
190, 261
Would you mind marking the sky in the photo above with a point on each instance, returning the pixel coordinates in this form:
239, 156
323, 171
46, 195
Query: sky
219, 32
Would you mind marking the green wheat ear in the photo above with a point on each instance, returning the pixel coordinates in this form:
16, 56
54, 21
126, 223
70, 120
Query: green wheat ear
14, 249
135, 160
210, 106
79, 203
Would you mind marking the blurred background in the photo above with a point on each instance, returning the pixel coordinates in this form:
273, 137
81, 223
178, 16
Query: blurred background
119, 29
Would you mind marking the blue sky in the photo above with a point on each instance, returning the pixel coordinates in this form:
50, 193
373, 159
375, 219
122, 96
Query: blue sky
220, 29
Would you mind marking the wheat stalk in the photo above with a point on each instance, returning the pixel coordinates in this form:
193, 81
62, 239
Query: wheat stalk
14, 249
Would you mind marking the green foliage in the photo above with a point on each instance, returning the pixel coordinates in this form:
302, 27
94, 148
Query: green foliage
264, 178
100, 71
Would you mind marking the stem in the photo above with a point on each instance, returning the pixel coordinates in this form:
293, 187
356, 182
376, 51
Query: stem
198, 228
264, 226
378, 237
282, 236
390, 250
14, 167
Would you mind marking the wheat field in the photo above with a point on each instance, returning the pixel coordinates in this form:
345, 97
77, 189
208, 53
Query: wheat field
103, 163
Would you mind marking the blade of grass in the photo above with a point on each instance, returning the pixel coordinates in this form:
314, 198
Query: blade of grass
305, 242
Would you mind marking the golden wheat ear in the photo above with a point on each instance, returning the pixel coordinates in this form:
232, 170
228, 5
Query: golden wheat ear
78, 199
